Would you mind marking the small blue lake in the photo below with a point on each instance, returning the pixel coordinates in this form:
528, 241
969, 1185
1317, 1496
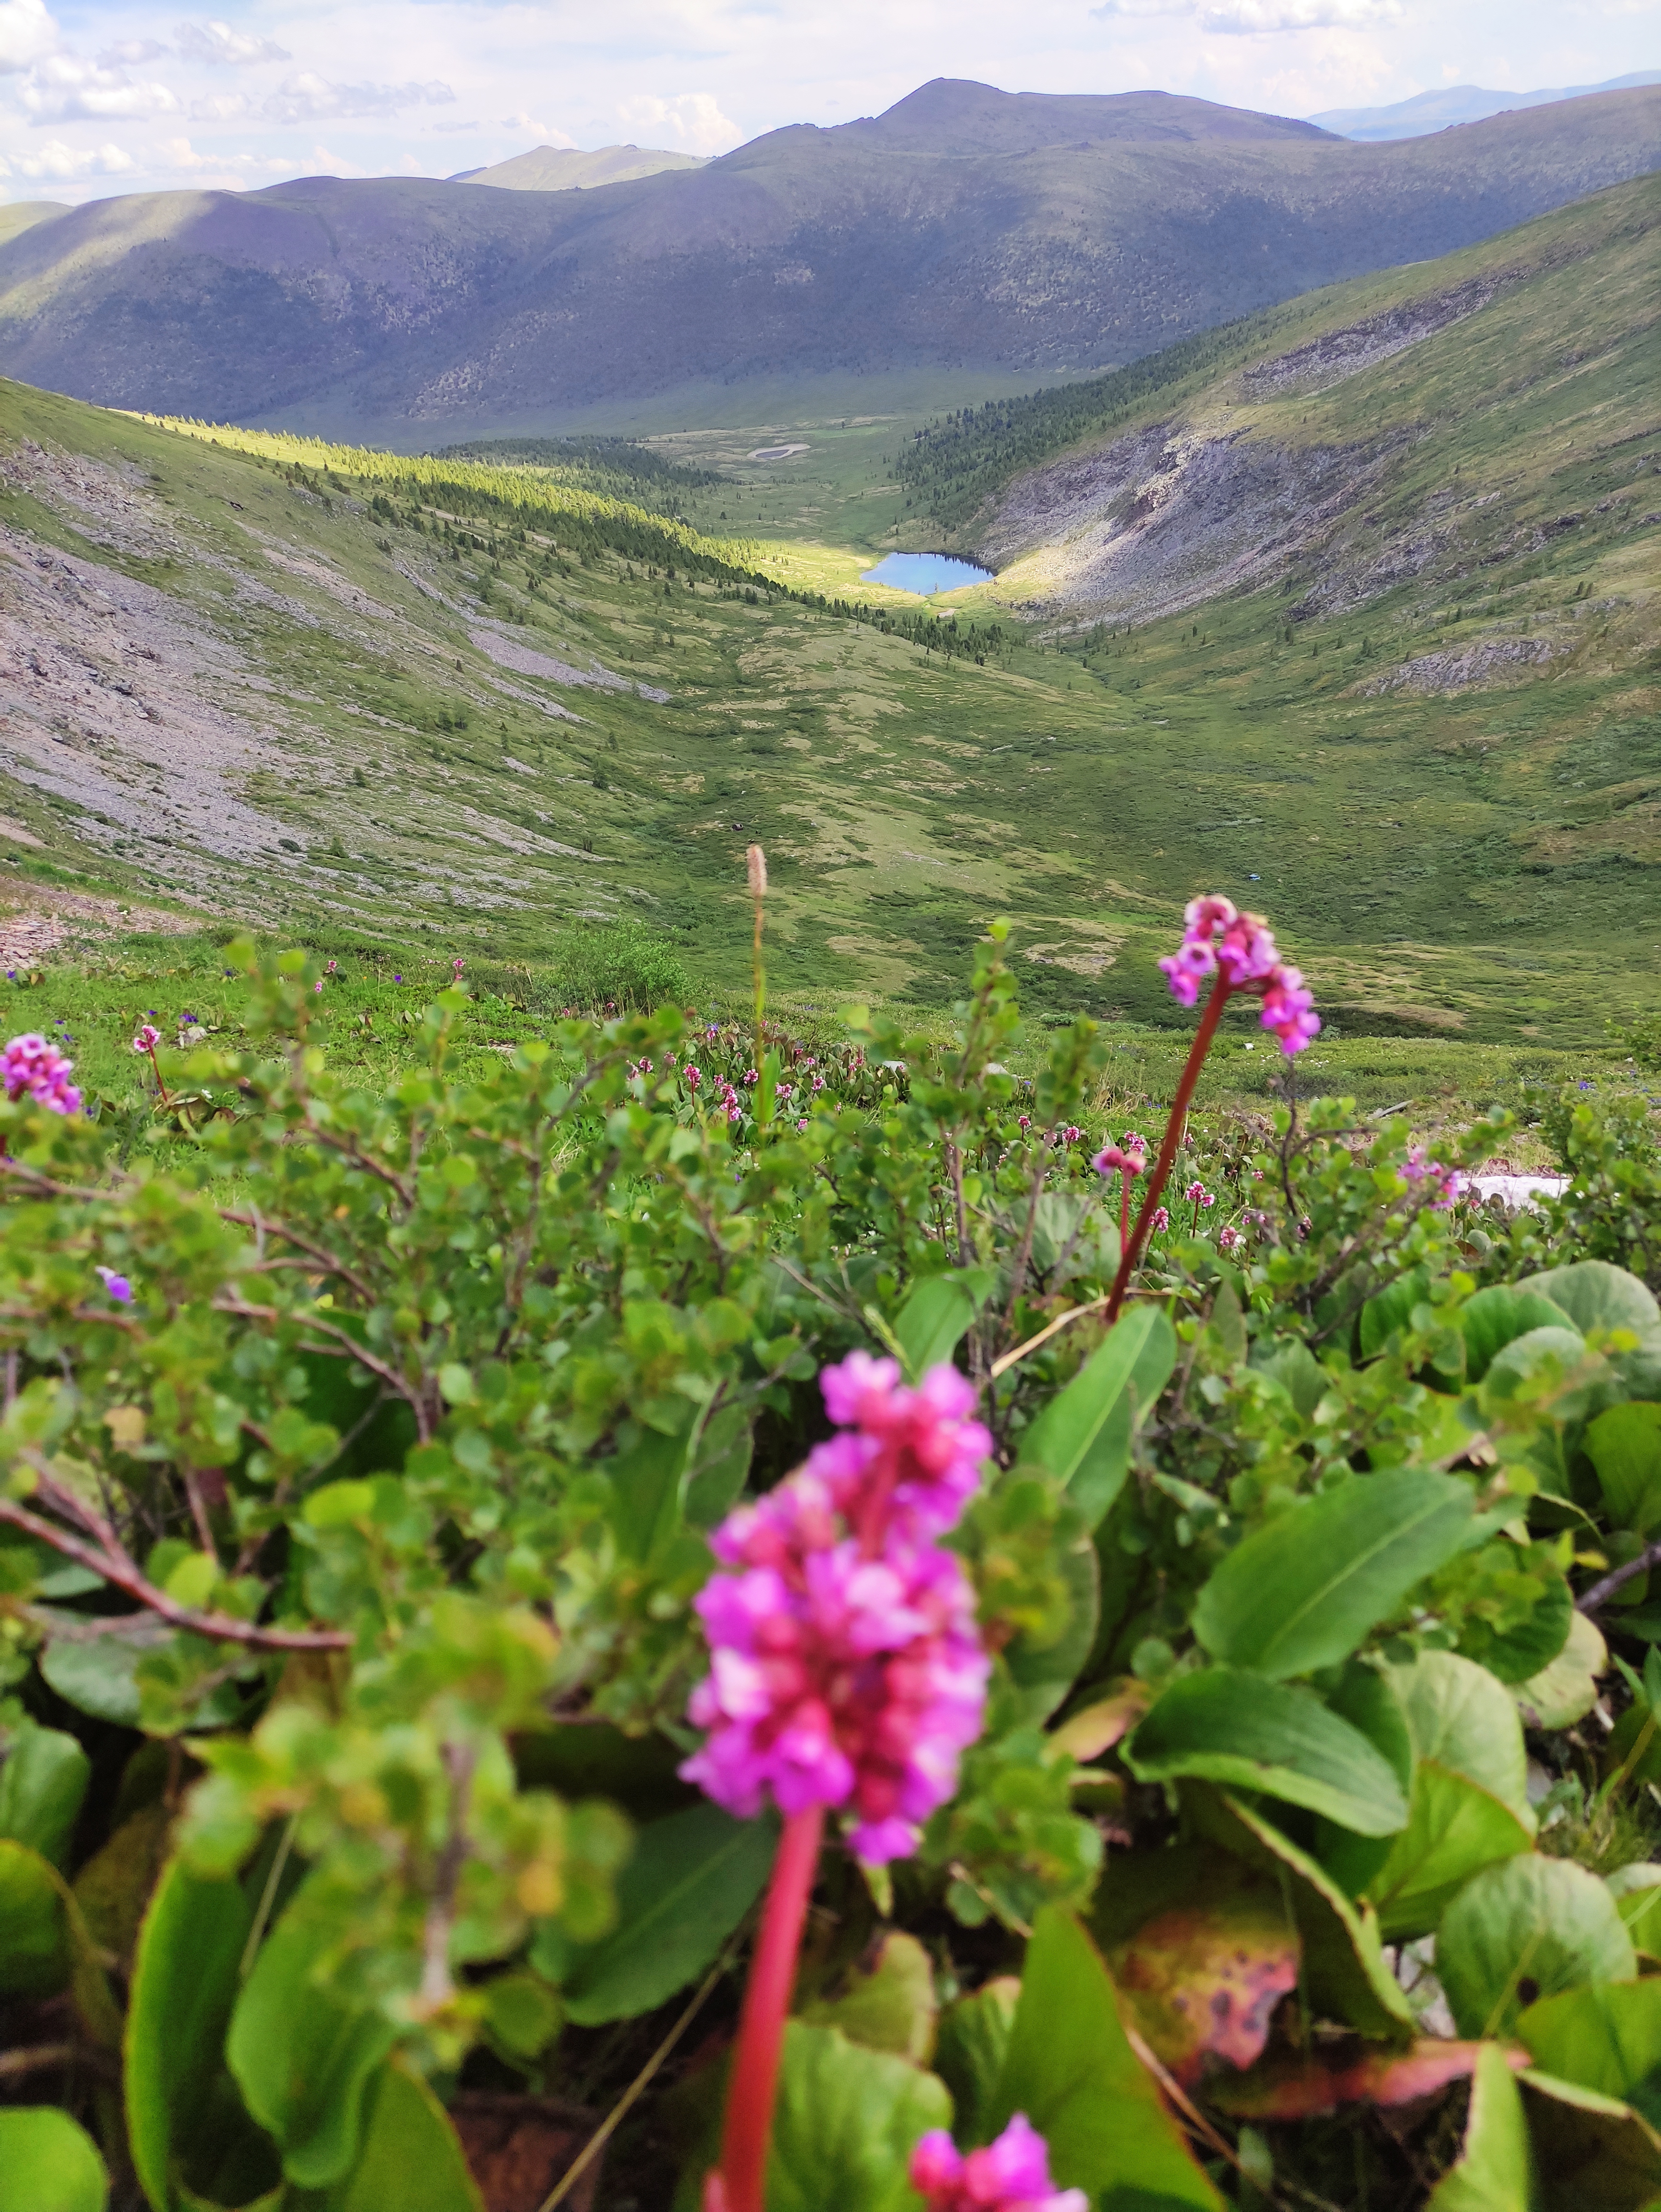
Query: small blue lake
924, 573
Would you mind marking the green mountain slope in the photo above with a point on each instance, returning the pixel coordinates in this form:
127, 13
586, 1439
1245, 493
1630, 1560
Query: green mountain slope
351, 697
966, 230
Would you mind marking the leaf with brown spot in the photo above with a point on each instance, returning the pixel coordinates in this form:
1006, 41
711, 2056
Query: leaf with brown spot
1203, 1979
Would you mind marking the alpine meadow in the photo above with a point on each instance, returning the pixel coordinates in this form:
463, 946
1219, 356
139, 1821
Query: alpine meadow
831, 1162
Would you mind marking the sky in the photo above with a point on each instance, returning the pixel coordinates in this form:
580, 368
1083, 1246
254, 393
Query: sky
128, 95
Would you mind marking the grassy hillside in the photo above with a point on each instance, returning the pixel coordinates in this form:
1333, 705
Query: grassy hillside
966, 231
338, 694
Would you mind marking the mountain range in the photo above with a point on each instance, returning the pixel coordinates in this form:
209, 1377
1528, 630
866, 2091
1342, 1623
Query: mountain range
1458, 103
965, 233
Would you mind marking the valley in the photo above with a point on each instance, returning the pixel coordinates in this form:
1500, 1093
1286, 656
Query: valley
439, 703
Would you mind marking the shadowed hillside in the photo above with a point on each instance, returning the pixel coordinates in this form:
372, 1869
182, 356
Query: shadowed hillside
966, 230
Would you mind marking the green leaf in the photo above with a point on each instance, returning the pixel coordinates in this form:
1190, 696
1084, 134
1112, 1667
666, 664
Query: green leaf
1495, 2172
1594, 2153
35, 1950
692, 1879
933, 1322
1305, 1590
42, 1784
185, 1985
646, 1482
1637, 1893
412, 2158
1454, 1829
1083, 1436
1298, 1371
1390, 1310
721, 1465
1567, 1691
100, 1675
1606, 2037
969, 2052
1226, 1725
1044, 1674
1071, 2070
846, 2123
1345, 1976
1522, 1930
522, 2013
1595, 1294
1459, 1715
889, 2007
1624, 1444
1490, 1320
48, 2164
303, 2057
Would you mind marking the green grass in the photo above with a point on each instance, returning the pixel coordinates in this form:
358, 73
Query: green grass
370, 1011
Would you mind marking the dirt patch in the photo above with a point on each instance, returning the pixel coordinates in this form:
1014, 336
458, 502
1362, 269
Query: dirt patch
47, 920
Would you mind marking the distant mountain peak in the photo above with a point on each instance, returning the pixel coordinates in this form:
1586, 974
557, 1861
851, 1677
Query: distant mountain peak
1454, 104
572, 168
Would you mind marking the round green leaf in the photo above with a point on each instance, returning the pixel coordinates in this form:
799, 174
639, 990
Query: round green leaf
1492, 1318
1524, 1930
1567, 1691
1459, 1715
846, 2122
48, 2164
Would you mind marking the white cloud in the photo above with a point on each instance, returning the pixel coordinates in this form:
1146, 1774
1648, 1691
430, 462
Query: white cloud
221, 106
27, 33
691, 123
309, 97
129, 52
61, 162
544, 133
65, 89
1246, 16
217, 42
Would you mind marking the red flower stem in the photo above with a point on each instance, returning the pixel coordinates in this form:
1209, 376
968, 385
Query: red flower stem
1124, 1208
161, 1086
761, 2024
1220, 993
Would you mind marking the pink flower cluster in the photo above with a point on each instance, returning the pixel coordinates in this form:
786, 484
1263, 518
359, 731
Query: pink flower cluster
32, 1068
1447, 1183
1009, 2175
846, 1669
1239, 949
1128, 1156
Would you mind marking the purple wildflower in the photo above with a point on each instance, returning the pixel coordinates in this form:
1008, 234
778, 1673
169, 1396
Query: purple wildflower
117, 1286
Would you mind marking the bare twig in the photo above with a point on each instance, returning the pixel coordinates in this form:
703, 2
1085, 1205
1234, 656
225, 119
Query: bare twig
1602, 1591
117, 1569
